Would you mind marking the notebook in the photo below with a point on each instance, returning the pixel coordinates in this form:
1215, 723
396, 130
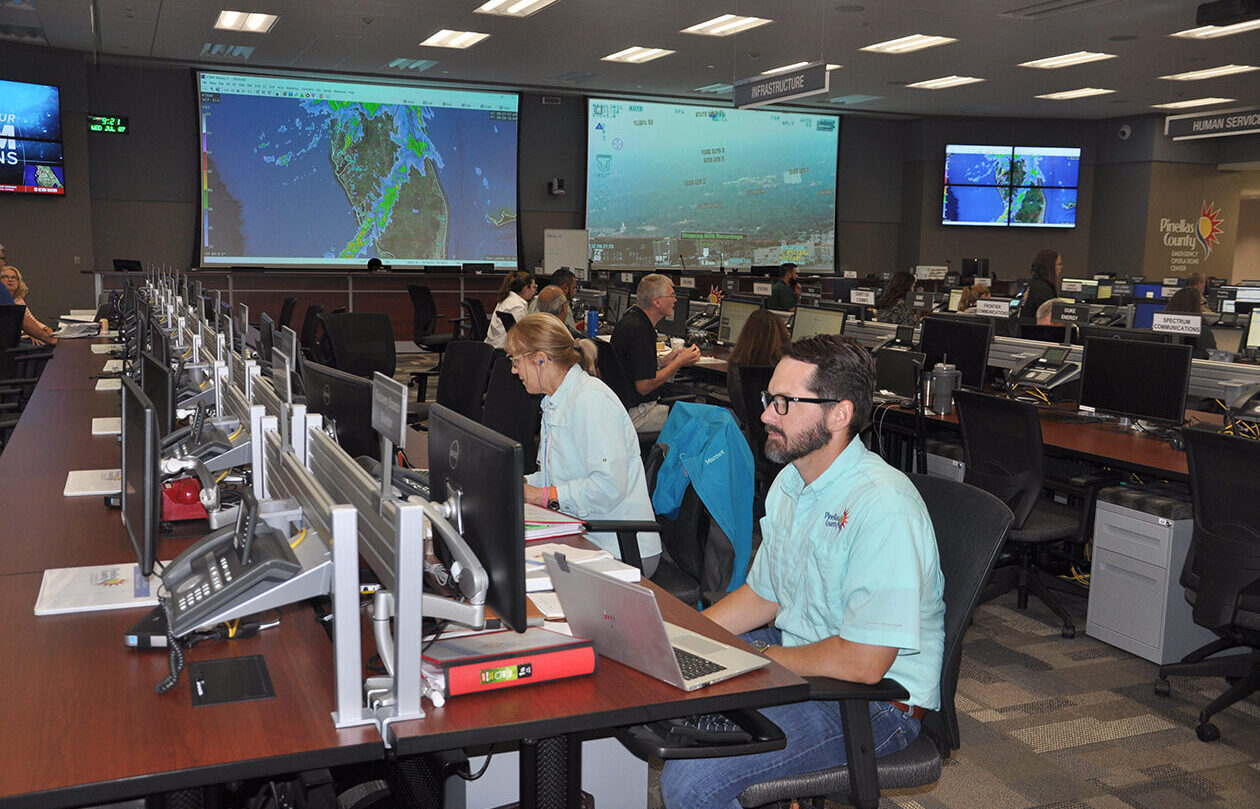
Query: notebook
625, 623
106, 425
88, 482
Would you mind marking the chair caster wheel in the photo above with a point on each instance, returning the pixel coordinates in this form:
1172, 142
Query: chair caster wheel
1068, 631
1207, 732
1163, 688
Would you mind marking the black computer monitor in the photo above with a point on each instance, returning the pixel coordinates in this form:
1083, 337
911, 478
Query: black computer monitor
478, 268
1135, 379
1144, 312
128, 265
266, 336
975, 268
811, 320
960, 341
157, 380
1046, 334
853, 311
346, 401
140, 478
160, 344
485, 470
898, 371
1116, 333
242, 327
619, 302
676, 326
732, 315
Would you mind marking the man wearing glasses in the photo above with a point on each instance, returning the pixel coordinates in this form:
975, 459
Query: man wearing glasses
634, 340
846, 583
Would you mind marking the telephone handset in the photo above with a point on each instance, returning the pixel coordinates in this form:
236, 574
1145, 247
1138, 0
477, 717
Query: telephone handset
1047, 370
708, 319
226, 567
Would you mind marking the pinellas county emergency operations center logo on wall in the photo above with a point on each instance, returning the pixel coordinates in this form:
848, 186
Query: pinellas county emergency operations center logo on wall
1208, 230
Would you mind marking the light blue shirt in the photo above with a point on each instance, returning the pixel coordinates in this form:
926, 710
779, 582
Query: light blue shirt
854, 554
590, 453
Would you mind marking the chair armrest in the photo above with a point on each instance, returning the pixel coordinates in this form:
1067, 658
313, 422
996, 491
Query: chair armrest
859, 739
831, 688
627, 536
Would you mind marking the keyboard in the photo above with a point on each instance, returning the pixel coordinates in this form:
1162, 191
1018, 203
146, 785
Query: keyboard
707, 728
694, 666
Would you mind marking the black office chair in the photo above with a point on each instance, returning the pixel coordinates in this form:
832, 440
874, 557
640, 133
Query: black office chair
423, 323
475, 323
511, 410
11, 316
309, 334
753, 380
1003, 453
1221, 574
360, 343
462, 382
507, 319
971, 526
286, 312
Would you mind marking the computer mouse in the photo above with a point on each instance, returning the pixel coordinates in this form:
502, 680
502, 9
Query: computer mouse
1178, 442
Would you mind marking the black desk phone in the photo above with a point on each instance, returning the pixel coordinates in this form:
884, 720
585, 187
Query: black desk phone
1046, 370
226, 567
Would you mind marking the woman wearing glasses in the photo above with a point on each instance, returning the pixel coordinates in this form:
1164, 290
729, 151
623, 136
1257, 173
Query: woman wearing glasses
588, 458
12, 280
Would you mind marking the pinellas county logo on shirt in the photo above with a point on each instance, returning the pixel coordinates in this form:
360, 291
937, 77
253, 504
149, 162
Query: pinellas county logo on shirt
836, 521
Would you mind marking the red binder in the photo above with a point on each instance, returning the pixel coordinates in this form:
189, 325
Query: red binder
491, 661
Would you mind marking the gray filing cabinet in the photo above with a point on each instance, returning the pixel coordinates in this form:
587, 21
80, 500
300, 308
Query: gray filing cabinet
1136, 602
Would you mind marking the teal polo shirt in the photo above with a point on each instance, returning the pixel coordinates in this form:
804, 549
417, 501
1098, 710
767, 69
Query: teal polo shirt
854, 554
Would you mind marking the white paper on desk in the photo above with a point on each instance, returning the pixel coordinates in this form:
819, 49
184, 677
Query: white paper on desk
536, 578
548, 603
112, 366
87, 482
104, 348
68, 330
106, 425
710, 361
98, 587
109, 384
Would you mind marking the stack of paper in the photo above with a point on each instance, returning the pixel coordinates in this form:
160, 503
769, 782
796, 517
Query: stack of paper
542, 523
102, 587
69, 329
536, 577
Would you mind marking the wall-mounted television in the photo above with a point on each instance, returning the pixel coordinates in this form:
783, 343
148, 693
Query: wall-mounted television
1011, 186
30, 139
325, 173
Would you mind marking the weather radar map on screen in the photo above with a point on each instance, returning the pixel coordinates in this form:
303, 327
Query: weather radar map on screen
30, 138
1019, 186
326, 173
680, 185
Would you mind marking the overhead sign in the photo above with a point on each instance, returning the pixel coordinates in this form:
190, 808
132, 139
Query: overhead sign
1175, 323
1218, 124
806, 81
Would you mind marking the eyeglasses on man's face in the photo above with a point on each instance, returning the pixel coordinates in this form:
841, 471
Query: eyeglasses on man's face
782, 403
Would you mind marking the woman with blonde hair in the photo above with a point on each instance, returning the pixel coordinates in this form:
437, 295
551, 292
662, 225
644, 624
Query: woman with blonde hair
12, 280
967, 300
588, 456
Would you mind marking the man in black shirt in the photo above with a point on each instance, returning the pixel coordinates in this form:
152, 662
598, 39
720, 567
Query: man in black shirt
634, 341
783, 295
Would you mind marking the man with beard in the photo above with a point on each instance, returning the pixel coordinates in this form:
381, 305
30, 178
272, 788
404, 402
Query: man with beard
846, 583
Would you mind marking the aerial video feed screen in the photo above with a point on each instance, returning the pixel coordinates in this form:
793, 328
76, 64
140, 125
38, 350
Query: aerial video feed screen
30, 139
674, 185
1020, 186
316, 173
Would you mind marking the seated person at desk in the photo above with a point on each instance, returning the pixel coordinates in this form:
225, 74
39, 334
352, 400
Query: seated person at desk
552, 301
18, 290
785, 291
847, 577
634, 340
1188, 301
971, 294
1045, 312
514, 296
588, 456
891, 307
762, 341
565, 282
1047, 268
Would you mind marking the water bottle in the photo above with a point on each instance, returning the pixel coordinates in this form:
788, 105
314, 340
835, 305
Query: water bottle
592, 322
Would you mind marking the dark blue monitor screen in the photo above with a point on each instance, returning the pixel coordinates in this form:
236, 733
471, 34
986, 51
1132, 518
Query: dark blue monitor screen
30, 139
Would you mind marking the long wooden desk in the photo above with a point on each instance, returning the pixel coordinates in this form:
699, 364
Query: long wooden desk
84, 723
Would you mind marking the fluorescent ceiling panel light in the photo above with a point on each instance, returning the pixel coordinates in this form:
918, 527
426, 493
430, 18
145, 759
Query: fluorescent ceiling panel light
513, 8
636, 55
718, 88
944, 81
795, 66
914, 42
447, 38
1194, 102
407, 63
725, 25
1067, 60
856, 98
245, 21
1214, 31
1083, 92
1210, 73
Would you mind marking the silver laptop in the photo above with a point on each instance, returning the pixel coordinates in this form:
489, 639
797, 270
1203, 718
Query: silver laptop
625, 624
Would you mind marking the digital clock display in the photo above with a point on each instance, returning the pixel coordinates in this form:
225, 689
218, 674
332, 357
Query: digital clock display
109, 124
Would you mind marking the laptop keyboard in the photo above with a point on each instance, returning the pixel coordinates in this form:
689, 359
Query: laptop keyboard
694, 666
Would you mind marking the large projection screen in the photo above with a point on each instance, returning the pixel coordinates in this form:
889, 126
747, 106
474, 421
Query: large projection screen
673, 185
303, 172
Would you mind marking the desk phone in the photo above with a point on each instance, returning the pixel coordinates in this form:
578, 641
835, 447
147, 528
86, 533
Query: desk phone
1047, 370
226, 566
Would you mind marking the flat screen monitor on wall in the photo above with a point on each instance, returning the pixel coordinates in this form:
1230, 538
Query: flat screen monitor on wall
1011, 186
30, 139
674, 185
307, 172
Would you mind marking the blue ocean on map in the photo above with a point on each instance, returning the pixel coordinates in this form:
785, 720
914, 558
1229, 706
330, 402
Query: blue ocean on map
971, 168
1050, 170
974, 205
1060, 206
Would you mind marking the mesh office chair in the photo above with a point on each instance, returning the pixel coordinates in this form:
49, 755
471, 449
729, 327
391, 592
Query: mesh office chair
423, 324
1221, 575
309, 333
1003, 453
360, 343
475, 323
507, 319
753, 380
511, 410
462, 382
286, 312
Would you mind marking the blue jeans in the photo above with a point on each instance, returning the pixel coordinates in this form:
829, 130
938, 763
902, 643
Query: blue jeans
815, 741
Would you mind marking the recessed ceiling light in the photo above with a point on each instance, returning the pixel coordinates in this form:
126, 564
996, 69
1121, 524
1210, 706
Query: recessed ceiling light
407, 63
914, 42
447, 38
1210, 73
943, 82
1084, 92
245, 21
636, 55
1067, 60
856, 98
1194, 102
714, 88
513, 8
1214, 31
725, 25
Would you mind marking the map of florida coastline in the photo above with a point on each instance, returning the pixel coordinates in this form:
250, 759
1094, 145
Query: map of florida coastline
384, 161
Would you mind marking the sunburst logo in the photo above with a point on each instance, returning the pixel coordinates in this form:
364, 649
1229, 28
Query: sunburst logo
1209, 229
836, 521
